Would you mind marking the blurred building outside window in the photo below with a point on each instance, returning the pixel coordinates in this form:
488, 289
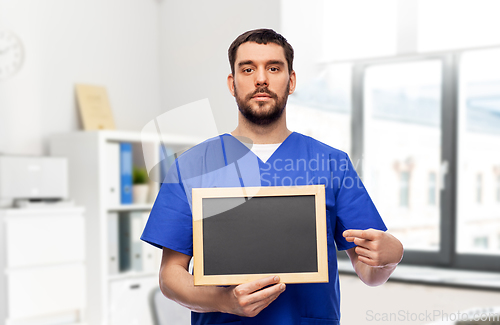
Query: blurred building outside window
402, 142
479, 188
404, 189
478, 214
481, 243
498, 188
432, 189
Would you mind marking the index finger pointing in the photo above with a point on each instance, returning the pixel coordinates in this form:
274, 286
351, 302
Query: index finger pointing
363, 234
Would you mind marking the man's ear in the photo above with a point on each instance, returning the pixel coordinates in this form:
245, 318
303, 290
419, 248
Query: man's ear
230, 83
293, 81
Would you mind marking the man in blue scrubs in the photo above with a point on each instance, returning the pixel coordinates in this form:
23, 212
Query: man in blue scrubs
261, 79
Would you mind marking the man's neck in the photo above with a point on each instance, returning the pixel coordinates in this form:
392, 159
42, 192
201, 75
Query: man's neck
262, 134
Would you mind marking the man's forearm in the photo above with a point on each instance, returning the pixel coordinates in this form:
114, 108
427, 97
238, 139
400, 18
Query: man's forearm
178, 285
374, 275
376, 255
247, 299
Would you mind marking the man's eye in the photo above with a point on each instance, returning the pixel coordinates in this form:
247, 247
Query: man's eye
273, 69
248, 70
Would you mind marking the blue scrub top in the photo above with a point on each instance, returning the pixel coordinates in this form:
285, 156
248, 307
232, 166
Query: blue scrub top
224, 161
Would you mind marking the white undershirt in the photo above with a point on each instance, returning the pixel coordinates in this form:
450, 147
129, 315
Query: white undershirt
264, 151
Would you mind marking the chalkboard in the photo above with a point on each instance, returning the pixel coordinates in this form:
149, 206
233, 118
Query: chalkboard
242, 234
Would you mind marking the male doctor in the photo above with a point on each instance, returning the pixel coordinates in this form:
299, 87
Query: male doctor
261, 79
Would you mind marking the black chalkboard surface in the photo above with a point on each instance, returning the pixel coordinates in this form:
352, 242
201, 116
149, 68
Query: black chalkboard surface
242, 234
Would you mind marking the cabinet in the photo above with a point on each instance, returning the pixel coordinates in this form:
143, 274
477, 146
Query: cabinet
42, 258
113, 292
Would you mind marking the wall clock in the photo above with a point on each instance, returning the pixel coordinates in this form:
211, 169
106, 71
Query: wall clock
11, 53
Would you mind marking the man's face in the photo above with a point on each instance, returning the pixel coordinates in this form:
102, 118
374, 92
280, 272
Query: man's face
261, 82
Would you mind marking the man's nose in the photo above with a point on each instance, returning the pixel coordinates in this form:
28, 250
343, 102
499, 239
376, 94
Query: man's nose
261, 78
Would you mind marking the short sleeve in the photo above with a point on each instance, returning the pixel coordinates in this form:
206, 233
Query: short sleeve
355, 209
170, 222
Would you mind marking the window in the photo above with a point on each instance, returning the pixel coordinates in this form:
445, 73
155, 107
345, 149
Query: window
416, 116
431, 194
425, 127
401, 143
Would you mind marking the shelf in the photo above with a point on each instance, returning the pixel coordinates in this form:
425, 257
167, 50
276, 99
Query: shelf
46, 211
90, 165
131, 207
130, 136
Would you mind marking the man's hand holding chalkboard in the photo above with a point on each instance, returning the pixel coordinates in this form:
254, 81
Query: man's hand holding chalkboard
376, 255
249, 299
246, 299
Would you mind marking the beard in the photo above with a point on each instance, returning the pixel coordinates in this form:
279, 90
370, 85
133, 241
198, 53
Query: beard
260, 115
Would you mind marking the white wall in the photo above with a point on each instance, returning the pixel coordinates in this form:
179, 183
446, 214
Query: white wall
151, 55
113, 43
195, 36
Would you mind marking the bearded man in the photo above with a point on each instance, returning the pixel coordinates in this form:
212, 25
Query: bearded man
261, 79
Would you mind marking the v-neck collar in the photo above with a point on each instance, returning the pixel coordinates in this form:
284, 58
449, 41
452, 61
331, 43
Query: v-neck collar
275, 151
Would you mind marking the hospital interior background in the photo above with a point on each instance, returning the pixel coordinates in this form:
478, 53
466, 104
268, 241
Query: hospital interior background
410, 89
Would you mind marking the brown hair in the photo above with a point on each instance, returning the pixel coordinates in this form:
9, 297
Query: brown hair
261, 36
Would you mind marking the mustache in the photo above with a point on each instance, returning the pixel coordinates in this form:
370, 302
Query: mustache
261, 90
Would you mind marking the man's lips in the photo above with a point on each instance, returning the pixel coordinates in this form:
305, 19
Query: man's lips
261, 96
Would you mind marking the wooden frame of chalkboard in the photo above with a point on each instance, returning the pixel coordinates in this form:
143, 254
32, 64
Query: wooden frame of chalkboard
241, 234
